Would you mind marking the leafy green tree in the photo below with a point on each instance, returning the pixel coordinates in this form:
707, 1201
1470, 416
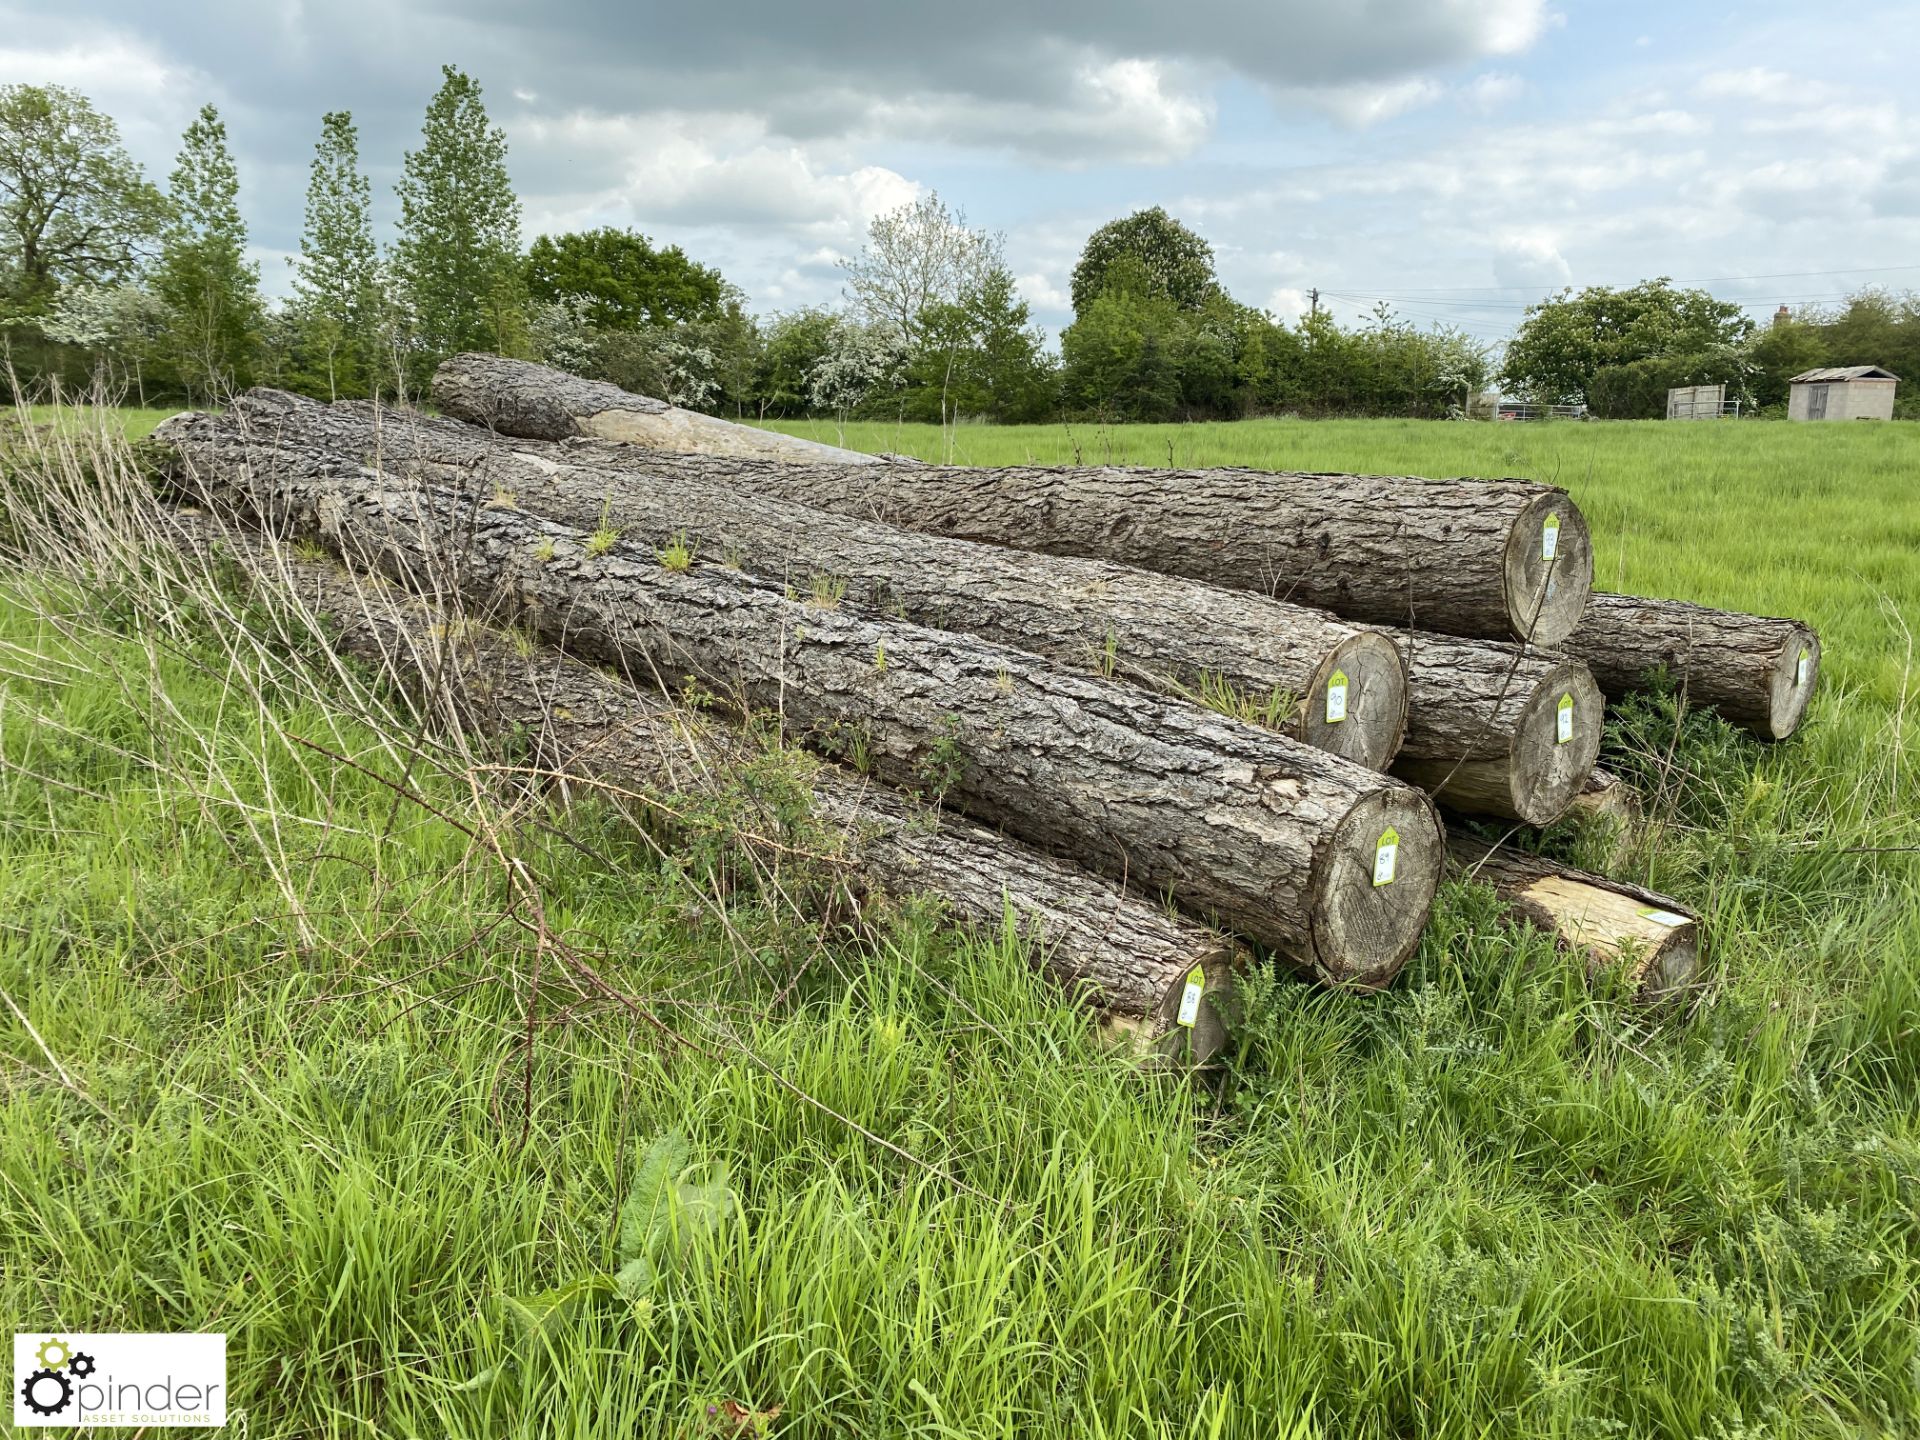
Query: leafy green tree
1177, 264
211, 290
457, 260
1638, 389
1564, 342
621, 281
74, 207
118, 325
1118, 356
336, 287
795, 345
979, 355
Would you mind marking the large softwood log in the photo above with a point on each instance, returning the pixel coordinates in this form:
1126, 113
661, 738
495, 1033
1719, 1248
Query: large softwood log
1493, 729
1124, 955
1757, 671
1610, 922
1329, 864
1336, 686
516, 397
1467, 557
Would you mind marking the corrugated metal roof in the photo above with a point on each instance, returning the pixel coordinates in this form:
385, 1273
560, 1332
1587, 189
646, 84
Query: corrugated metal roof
1842, 373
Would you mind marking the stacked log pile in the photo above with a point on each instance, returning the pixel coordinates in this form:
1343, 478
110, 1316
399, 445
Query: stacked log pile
1121, 689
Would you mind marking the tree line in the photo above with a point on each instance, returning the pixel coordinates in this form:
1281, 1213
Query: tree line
1619, 350
105, 276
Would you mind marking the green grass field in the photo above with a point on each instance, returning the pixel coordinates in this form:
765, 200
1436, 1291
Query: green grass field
266, 1012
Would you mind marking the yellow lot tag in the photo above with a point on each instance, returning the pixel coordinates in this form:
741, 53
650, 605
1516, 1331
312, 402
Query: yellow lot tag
1800, 670
1386, 855
1550, 538
1564, 720
1336, 697
1190, 997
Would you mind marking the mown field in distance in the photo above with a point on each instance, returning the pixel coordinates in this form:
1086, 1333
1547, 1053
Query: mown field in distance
275, 1080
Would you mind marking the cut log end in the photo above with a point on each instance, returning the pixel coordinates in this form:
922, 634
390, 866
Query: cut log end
1796, 670
1555, 741
1659, 947
1375, 885
1548, 571
1356, 706
1194, 1018
1555, 745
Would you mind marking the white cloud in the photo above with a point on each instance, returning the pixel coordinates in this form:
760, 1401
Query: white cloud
1043, 295
1531, 260
1488, 92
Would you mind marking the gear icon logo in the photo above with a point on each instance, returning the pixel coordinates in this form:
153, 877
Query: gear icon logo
82, 1365
47, 1392
54, 1354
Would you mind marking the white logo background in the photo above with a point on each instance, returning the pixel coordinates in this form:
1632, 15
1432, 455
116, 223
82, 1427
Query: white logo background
119, 1379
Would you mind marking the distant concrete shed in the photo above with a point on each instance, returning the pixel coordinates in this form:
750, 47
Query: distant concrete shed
1849, 392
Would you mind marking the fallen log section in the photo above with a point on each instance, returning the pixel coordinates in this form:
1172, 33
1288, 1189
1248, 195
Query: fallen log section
1467, 557
1164, 981
1332, 866
1337, 687
1608, 799
518, 398
1609, 922
1757, 671
1496, 730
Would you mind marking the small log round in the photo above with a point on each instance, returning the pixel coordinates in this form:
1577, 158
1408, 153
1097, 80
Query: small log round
1757, 671
1611, 923
1495, 730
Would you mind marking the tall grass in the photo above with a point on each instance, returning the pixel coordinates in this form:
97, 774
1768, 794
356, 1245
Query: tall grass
265, 1056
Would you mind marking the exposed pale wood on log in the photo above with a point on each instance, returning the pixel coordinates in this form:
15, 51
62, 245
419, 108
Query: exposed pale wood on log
1344, 687
1467, 557
1123, 955
1266, 836
1493, 729
1757, 671
1609, 922
516, 397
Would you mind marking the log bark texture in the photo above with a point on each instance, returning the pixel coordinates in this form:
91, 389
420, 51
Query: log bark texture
1466, 557
1493, 729
1759, 672
1281, 842
1609, 922
1121, 954
1339, 687
516, 397
1606, 798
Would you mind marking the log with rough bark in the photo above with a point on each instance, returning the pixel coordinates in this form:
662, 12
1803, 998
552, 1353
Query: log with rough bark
1487, 558
1757, 671
1331, 865
1609, 922
516, 397
1493, 729
1123, 955
1336, 686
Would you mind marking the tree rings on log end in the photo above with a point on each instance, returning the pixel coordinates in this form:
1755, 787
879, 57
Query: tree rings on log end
1796, 670
1548, 571
1555, 745
1373, 886
1356, 704
1193, 1019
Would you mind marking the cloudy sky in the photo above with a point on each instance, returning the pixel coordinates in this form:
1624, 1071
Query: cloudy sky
1456, 158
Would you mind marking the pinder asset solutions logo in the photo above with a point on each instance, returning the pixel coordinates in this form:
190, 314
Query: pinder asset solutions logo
128, 1379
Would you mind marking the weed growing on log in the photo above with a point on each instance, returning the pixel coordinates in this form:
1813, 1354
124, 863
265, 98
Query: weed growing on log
502, 499
828, 592
601, 541
676, 555
1274, 710
543, 550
